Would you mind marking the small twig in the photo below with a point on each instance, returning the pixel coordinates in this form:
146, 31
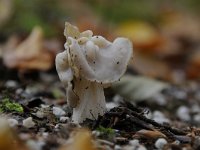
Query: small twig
156, 124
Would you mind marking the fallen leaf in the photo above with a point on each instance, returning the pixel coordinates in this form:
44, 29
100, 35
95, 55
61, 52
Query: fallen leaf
168, 47
150, 66
193, 65
147, 134
136, 88
143, 35
80, 140
8, 138
180, 25
30, 54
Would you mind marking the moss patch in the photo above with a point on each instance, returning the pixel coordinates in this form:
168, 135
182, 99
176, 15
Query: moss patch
7, 106
107, 133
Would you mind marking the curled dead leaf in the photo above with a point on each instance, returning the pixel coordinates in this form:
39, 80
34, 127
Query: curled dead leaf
147, 134
30, 54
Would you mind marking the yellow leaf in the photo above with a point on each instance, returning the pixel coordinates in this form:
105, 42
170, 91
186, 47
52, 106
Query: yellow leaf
81, 140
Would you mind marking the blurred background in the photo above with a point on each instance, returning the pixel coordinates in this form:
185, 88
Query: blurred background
165, 34
163, 76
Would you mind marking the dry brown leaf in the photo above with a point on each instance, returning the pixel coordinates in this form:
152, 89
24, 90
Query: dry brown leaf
81, 140
30, 54
8, 139
150, 66
168, 47
147, 134
181, 25
143, 35
193, 66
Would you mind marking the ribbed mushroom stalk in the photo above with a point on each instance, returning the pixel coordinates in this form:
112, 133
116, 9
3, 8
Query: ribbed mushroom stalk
89, 64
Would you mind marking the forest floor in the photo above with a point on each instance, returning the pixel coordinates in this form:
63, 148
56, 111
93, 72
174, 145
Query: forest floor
35, 107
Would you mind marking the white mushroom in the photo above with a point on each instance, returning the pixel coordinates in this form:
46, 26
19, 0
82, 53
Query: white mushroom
88, 64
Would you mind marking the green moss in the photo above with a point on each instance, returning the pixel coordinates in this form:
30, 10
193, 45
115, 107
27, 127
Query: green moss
7, 106
108, 133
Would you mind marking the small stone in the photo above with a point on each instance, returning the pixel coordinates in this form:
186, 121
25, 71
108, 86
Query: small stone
45, 134
117, 99
196, 118
195, 108
134, 142
64, 119
19, 91
176, 142
180, 95
159, 99
12, 122
96, 133
110, 105
183, 113
35, 145
11, 84
141, 147
159, 117
58, 112
117, 147
40, 114
28, 123
44, 106
57, 126
160, 143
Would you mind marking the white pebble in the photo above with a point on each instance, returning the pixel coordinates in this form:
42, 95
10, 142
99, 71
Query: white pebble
45, 106
130, 147
28, 123
40, 114
117, 99
58, 112
110, 105
159, 99
96, 133
195, 109
183, 113
135, 145
64, 119
196, 118
159, 117
57, 126
117, 147
45, 134
35, 145
141, 147
160, 143
134, 142
177, 142
12, 122
11, 84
